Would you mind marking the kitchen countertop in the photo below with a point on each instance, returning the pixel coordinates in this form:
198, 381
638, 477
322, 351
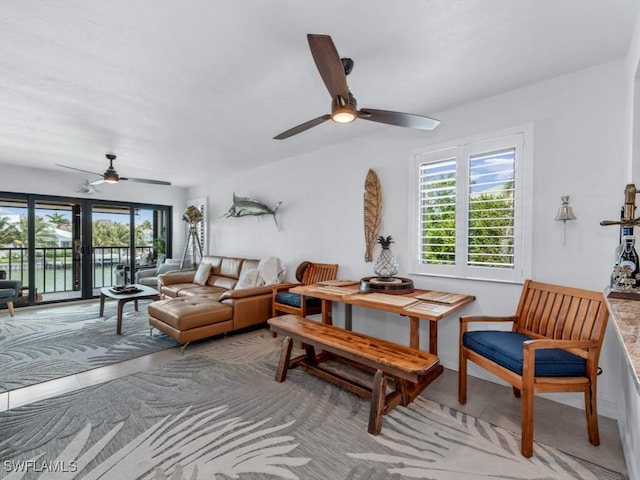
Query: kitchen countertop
626, 317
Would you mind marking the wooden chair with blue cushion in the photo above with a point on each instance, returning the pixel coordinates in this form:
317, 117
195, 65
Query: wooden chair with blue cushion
554, 346
307, 273
9, 292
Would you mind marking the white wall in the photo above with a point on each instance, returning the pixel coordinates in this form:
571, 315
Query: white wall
578, 150
47, 182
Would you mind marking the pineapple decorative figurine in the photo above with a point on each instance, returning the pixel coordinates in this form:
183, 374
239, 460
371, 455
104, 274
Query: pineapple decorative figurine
386, 266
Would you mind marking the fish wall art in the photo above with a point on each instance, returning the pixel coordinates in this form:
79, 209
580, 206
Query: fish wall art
245, 206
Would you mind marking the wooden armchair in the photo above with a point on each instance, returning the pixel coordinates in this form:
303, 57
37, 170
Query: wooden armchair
307, 273
554, 346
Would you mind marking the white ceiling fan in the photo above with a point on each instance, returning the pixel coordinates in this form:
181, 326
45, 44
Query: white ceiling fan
111, 175
87, 188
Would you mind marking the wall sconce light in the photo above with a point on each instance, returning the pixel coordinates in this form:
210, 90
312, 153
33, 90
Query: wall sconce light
565, 212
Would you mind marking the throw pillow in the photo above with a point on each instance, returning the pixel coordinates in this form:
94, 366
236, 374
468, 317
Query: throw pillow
248, 279
202, 274
160, 259
271, 271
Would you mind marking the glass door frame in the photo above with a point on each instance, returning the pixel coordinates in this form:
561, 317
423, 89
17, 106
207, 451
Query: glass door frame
83, 242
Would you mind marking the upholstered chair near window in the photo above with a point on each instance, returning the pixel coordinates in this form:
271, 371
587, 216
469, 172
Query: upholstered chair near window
553, 346
9, 292
149, 276
307, 273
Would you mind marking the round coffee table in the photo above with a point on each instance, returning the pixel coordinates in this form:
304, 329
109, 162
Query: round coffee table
133, 292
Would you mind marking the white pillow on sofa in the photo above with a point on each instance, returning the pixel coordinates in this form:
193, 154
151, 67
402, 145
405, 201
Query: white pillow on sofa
202, 274
249, 279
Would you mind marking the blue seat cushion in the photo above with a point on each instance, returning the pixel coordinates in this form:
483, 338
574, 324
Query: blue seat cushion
506, 349
293, 300
7, 293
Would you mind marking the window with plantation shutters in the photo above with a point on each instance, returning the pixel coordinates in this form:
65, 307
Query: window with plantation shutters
470, 209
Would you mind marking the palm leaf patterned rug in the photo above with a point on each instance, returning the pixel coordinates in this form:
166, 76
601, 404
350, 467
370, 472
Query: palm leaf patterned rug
41, 344
219, 414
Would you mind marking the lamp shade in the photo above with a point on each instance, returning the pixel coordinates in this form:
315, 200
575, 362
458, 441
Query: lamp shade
192, 215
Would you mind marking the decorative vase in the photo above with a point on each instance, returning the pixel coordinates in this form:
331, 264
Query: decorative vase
386, 266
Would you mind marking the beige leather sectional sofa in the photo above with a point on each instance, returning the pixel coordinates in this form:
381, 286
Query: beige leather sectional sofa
194, 305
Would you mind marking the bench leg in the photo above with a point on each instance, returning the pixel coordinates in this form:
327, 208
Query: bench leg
402, 390
378, 395
311, 358
285, 356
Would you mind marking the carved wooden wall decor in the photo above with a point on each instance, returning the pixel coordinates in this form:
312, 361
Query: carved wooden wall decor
372, 213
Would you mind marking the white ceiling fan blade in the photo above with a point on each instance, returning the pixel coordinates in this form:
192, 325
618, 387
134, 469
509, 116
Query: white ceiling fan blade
97, 182
78, 169
145, 180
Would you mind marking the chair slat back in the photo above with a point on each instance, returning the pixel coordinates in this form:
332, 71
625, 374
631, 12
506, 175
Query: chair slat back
563, 313
319, 272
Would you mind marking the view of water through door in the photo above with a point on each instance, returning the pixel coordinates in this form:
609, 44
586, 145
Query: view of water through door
68, 249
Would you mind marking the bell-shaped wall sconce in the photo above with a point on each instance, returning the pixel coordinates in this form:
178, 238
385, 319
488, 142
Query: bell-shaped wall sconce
565, 212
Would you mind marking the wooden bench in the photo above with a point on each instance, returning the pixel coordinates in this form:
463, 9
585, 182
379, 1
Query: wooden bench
409, 368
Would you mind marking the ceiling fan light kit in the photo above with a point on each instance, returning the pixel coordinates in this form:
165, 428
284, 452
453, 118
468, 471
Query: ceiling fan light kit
343, 111
110, 175
344, 108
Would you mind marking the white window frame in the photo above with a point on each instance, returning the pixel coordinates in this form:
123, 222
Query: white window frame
520, 137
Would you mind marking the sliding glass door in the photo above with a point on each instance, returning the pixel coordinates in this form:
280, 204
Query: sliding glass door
68, 249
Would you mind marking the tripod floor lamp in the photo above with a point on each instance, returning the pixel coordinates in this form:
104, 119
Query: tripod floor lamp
193, 217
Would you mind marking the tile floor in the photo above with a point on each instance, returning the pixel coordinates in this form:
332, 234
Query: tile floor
556, 425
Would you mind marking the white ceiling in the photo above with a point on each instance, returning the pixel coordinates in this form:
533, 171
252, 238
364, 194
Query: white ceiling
185, 89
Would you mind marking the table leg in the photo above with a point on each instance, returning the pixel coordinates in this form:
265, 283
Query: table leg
119, 324
327, 315
414, 335
136, 305
433, 338
414, 332
348, 316
102, 297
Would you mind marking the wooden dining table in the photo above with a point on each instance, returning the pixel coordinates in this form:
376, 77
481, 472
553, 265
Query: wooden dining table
428, 305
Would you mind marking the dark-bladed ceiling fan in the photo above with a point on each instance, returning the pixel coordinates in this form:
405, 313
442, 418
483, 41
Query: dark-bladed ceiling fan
344, 108
111, 175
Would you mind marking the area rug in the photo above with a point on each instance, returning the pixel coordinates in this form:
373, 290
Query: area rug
220, 415
50, 342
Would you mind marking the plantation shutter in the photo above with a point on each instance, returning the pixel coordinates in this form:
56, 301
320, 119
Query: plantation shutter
491, 209
437, 210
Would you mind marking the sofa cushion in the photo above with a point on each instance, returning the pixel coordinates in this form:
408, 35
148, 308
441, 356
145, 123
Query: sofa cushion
210, 292
506, 349
189, 312
221, 282
230, 267
7, 293
176, 289
202, 274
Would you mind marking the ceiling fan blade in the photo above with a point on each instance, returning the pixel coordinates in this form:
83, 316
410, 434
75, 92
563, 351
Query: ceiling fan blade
79, 169
96, 182
145, 180
399, 119
302, 127
329, 65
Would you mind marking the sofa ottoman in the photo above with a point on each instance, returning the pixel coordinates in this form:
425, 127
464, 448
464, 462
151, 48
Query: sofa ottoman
190, 318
